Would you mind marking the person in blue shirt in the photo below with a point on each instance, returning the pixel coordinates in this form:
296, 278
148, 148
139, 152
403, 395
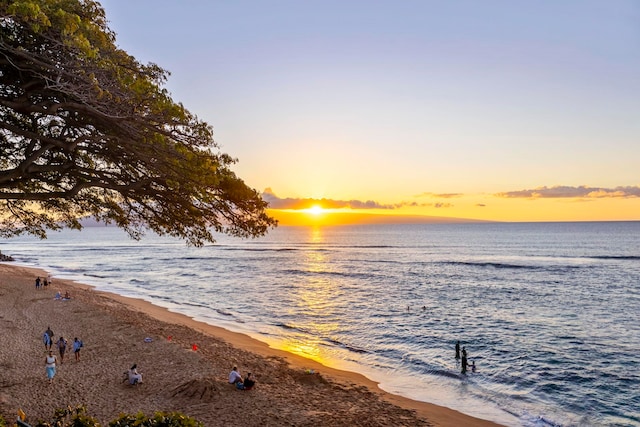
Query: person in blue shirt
77, 345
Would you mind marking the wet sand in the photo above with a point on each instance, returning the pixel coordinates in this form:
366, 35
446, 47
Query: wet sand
116, 332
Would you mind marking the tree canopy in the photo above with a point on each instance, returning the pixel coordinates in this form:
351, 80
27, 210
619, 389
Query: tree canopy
87, 130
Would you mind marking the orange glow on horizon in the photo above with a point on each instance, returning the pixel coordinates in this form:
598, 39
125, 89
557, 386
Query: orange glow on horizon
468, 208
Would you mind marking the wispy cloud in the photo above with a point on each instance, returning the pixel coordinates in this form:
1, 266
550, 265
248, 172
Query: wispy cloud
440, 195
569, 192
276, 202
305, 203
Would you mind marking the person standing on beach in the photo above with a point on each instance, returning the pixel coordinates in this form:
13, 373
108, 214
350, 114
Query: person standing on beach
458, 350
37, 282
47, 341
62, 348
77, 345
50, 365
48, 338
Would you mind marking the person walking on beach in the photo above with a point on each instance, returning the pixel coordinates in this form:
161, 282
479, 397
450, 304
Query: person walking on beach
47, 337
50, 365
62, 348
47, 341
77, 345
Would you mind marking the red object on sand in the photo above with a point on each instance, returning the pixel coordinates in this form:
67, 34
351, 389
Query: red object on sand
169, 338
194, 347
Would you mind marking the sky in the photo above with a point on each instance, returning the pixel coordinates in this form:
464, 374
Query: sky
490, 110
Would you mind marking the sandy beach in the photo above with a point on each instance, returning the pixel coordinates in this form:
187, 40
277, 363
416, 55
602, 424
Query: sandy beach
118, 332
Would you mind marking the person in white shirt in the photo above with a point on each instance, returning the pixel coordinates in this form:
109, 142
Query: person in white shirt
50, 364
235, 377
134, 376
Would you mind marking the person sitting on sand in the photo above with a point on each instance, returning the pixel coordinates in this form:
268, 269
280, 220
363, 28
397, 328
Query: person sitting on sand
66, 295
50, 364
134, 376
236, 378
248, 382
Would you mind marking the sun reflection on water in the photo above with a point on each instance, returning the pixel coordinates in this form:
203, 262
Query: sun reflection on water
314, 299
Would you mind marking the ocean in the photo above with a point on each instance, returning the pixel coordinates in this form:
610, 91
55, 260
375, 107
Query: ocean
549, 312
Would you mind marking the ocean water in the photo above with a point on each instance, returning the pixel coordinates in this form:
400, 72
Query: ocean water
549, 312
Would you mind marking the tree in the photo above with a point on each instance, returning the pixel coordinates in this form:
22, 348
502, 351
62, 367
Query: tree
87, 130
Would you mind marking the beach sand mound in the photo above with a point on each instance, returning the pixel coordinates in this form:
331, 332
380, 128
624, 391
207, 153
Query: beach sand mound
204, 389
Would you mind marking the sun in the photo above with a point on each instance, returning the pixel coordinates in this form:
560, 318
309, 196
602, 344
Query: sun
315, 210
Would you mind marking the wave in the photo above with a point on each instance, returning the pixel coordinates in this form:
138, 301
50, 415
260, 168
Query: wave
499, 265
97, 276
351, 348
616, 257
229, 248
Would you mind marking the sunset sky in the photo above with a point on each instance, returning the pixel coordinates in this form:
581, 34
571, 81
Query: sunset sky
491, 110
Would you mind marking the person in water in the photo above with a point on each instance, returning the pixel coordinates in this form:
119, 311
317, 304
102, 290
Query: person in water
458, 350
464, 361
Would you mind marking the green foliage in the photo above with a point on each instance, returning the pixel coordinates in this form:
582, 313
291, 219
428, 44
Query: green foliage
160, 419
2, 422
85, 129
77, 417
70, 417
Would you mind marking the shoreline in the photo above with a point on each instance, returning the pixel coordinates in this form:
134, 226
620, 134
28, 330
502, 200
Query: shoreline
282, 387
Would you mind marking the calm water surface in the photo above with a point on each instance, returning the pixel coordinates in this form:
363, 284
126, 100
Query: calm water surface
549, 312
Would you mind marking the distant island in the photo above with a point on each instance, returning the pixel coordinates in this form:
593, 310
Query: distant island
286, 217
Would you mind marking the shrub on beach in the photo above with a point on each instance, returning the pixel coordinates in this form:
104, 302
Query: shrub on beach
160, 419
77, 417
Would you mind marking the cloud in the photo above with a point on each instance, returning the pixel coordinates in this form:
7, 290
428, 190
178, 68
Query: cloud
440, 195
557, 192
305, 203
569, 192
